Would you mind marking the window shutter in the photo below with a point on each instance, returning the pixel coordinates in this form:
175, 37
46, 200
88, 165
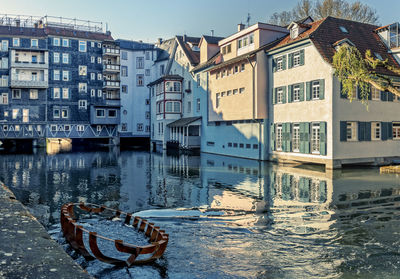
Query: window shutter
323, 138
290, 93
390, 96
288, 137
304, 189
343, 131
301, 128
367, 131
284, 62
274, 96
290, 60
272, 132
321, 89
361, 131
284, 137
308, 90
302, 91
389, 130
274, 65
322, 191
283, 94
302, 57
384, 132
384, 96
307, 137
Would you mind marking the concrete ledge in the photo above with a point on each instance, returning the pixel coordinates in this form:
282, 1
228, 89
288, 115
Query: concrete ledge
26, 250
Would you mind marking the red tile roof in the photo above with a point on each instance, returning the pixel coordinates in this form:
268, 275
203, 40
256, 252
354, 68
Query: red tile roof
193, 56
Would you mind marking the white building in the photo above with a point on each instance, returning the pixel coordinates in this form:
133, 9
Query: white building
137, 59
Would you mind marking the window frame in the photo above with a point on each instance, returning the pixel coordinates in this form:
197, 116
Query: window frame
376, 131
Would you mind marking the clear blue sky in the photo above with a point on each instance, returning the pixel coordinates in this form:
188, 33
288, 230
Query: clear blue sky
151, 19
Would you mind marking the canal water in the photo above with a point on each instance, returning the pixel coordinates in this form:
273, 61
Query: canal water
226, 217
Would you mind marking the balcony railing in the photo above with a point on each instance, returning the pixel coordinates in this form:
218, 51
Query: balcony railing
29, 84
113, 102
30, 65
111, 51
111, 67
111, 83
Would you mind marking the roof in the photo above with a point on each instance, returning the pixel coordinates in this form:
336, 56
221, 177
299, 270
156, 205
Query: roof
78, 34
193, 56
133, 45
326, 32
169, 77
210, 62
183, 121
212, 39
22, 31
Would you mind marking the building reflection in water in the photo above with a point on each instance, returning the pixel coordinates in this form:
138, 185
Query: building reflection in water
315, 222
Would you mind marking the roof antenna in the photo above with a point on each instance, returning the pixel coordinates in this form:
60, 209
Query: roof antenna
248, 19
212, 32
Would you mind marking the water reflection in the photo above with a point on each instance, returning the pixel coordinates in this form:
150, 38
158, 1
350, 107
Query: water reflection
276, 221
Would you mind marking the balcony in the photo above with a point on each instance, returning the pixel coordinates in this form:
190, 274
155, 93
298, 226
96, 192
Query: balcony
111, 84
111, 51
112, 102
29, 65
29, 83
111, 68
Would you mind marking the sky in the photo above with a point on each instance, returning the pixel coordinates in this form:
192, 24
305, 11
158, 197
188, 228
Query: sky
152, 19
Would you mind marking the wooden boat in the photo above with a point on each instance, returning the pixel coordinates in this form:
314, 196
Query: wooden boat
73, 233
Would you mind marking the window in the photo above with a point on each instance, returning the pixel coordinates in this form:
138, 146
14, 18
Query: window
80, 128
241, 90
234, 91
147, 55
4, 100
67, 128
296, 138
315, 89
279, 63
65, 58
351, 131
56, 57
139, 80
16, 93
100, 113
99, 76
279, 95
65, 75
54, 127
33, 94
98, 128
82, 87
396, 130
217, 100
375, 94
124, 89
245, 41
34, 59
124, 71
161, 69
82, 70
4, 45
99, 93
92, 92
222, 94
279, 137
376, 130
147, 128
56, 75
34, 43
147, 72
228, 93
82, 46
198, 105
124, 127
98, 60
65, 43
315, 138
82, 104
15, 113
189, 107
343, 29
34, 76
56, 113
92, 59
124, 55
147, 115
296, 93
56, 41
92, 44
139, 127
147, 102
99, 45
92, 76
65, 93
112, 113
16, 42
56, 93
294, 32
296, 59
139, 62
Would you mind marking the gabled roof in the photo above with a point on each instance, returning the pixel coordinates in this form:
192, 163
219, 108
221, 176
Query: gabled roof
193, 56
326, 32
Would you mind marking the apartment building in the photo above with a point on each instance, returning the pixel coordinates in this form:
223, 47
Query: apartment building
137, 59
52, 79
311, 121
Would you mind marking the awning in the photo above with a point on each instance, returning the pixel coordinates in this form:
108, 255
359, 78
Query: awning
183, 122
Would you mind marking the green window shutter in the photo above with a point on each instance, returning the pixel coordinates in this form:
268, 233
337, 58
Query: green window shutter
283, 94
307, 137
286, 187
384, 132
390, 96
390, 130
321, 89
367, 131
323, 138
272, 132
369, 92
322, 191
288, 137
358, 90
304, 189
302, 91
284, 137
308, 90
290, 93
301, 130
274, 96
361, 131
290, 60
284, 62
302, 57
343, 131
274, 65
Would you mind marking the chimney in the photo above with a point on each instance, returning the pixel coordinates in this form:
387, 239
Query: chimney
240, 27
184, 38
159, 41
17, 22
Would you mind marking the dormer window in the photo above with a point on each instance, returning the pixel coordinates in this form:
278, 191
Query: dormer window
294, 32
343, 29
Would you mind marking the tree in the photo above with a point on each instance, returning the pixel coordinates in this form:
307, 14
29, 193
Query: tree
318, 9
353, 69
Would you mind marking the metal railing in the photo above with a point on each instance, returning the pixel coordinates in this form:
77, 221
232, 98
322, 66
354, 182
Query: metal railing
29, 83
